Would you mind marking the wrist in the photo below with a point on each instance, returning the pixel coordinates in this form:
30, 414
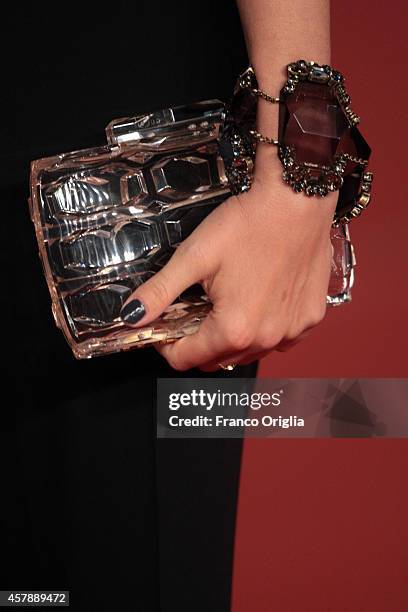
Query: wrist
267, 167
270, 196
307, 138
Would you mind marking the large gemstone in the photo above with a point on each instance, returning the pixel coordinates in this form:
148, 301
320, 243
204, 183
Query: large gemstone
313, 123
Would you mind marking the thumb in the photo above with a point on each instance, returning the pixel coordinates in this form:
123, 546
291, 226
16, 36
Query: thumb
150, 299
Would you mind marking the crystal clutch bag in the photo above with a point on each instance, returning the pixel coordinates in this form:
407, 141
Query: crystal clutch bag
108, 218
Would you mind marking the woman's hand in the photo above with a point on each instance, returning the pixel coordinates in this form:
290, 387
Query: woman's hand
263, 257
264, 260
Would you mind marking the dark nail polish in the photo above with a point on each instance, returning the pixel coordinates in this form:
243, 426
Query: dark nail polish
132, 312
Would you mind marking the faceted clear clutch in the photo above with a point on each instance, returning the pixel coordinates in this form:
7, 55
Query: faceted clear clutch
108, 218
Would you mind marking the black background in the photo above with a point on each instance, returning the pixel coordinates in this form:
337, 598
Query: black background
79, 498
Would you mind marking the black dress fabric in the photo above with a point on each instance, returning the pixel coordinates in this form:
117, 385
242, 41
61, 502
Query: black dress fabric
91, 502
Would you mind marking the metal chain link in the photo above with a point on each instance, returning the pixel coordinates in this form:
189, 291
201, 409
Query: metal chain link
265, 96
258, 136
356, 160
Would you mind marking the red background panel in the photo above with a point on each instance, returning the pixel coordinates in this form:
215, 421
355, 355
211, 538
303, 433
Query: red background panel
323, 524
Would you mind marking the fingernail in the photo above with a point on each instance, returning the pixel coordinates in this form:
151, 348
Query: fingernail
132, 312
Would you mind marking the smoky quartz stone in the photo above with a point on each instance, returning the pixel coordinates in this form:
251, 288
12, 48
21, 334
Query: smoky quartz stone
312, 122
323, 143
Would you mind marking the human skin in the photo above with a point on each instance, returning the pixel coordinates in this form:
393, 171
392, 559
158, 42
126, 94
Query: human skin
262, 257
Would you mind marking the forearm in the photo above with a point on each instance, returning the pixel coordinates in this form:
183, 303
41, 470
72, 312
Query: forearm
278, 32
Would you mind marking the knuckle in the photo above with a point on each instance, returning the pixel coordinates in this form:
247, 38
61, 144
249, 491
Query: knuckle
192, 252
317, 315
189, 247
176, 363
269, 339
158, 292
294, 332
237, 333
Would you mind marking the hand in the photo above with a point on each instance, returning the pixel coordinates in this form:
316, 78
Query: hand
264, 260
